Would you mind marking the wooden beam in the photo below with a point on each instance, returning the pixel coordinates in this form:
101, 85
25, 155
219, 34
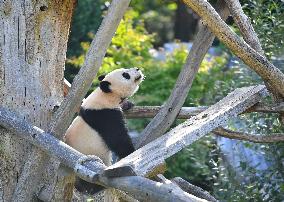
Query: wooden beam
145, 159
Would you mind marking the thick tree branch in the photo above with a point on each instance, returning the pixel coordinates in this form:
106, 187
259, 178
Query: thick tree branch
147, 190
268, 72
166, 116
273, 138
145, 159
89, 169
244, 24
49, 144
192, 189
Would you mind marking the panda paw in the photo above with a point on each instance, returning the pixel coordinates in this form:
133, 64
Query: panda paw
126, 105
89, 158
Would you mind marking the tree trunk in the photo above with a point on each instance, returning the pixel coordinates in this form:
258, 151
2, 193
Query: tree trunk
33, 43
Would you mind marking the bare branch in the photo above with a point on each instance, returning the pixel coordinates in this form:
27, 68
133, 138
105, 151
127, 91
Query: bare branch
276, 137
187, 112
166, 116
244, 24
268, 72
145, 159
192, 189
265, 108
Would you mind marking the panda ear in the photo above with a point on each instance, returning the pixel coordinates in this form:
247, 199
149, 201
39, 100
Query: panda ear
104, 85
101, 77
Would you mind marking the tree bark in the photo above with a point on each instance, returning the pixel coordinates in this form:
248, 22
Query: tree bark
33, 43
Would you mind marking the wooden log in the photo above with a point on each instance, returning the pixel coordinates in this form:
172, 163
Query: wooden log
148, 157
51, 145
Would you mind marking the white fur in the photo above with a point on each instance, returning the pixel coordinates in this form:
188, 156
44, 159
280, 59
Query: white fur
80, 135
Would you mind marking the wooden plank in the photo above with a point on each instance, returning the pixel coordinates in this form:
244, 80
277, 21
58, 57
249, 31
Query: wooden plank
145, 159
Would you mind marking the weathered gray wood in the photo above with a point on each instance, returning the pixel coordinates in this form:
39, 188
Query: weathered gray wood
268, 72
192, 189
33, 44
144, 189
152, 111
145, 159
166, 116
87, 169
187, 112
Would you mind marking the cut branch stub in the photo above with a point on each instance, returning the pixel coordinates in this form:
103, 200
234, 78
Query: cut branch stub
265, 69
145, 159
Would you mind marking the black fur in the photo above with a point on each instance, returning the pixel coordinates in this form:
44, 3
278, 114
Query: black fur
87, 187
101, 77
109, 123
104, 85
126, 75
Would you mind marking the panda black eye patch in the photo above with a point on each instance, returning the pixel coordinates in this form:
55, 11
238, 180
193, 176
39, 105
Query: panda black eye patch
126, 75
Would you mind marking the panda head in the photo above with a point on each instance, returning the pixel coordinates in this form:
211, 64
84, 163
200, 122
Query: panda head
122, 83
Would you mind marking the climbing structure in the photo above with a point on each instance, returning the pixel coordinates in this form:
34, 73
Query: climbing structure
154, 145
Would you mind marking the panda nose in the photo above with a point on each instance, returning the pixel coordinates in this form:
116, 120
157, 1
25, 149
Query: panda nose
137, 69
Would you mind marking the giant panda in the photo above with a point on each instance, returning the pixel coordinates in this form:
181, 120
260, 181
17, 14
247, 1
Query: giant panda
99, 129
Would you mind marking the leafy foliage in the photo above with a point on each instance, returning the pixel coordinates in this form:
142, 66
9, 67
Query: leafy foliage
268, 20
